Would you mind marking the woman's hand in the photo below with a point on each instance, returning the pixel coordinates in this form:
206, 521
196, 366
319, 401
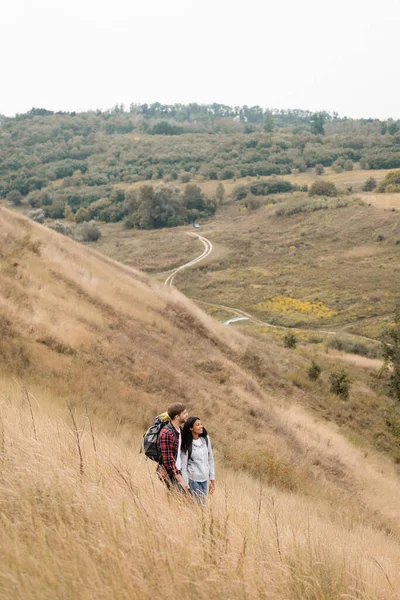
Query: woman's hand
212, 486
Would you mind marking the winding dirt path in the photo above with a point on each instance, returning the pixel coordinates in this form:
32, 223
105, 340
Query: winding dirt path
208, 248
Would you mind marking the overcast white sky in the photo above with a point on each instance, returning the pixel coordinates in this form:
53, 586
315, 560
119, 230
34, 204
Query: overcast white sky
87, 54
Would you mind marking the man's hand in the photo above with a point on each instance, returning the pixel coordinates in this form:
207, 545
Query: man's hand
182, 482
212, 486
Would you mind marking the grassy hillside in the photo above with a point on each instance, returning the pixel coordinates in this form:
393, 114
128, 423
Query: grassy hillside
109, 531
287, 263
300, 511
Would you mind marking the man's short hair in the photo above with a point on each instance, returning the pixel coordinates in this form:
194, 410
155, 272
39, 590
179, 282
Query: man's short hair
175, 409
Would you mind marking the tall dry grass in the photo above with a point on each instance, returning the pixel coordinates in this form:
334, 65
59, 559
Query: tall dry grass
106, 528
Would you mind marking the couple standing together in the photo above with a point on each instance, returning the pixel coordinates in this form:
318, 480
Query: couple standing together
187, 461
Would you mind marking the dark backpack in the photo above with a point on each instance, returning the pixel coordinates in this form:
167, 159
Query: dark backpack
150, 438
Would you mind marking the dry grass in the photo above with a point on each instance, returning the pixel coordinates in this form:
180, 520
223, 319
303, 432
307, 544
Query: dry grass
346, 258
300, 512
108, 530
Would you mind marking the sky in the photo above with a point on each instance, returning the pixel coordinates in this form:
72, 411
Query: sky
85, 54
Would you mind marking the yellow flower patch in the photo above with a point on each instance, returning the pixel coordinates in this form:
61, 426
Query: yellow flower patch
284, 304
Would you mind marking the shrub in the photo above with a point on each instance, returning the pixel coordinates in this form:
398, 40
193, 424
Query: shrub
251, 202
354, 347
319, 169
369, 185
36, 215
61, 228
391, 183
15, 197
323, 188
314, 371
89, 231
348, 165
164, 128
301, 205
340, 384
81, 215
290, 340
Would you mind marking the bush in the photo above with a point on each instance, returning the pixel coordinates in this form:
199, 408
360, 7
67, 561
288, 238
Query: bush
290, 340
15, 197
391, 182
81, 215
340, 384
251, 202
89, 231
319, 169
303, 205
323, 188
348, 165
164, 128
36, 215
354, 347
61, 228
369, 185
314, 371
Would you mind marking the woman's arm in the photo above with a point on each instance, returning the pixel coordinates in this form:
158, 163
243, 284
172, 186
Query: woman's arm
211, 467
211, 461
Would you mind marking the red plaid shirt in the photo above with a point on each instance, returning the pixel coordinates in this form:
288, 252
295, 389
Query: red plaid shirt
168, 442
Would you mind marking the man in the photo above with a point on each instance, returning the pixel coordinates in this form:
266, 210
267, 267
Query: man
169, 445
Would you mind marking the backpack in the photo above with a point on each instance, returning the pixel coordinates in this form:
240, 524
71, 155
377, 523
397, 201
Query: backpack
150, 438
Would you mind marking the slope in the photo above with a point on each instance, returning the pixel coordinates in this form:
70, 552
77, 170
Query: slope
79, 328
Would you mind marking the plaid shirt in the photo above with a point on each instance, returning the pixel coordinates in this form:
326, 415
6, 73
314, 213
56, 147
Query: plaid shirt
168, 442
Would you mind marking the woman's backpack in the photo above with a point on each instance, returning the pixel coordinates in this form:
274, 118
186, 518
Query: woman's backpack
150, 438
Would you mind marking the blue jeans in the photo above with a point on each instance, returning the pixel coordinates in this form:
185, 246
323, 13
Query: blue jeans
198, 489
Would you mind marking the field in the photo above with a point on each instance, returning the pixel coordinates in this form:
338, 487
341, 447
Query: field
331, 268
355, 178
307, 484
306, 505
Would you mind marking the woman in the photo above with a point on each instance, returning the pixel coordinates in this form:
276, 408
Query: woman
197, 459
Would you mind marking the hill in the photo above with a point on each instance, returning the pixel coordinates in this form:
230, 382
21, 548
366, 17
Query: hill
75, 160
294, 495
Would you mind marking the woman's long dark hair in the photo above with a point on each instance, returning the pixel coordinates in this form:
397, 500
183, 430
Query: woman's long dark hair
187, 436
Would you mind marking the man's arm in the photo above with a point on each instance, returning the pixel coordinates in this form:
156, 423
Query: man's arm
166, 441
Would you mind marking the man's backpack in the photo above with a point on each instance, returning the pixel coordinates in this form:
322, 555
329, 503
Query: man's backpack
150, 438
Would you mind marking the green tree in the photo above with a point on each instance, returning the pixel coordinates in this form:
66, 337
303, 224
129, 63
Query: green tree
220, 192
56, 210
81, 215
68, 213
268, 121
317, 121
319, 169
193, 197
15, 197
